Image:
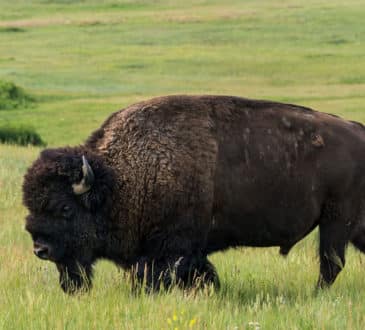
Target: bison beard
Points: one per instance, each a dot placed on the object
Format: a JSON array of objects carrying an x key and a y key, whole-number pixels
[
  {"x": 164, "y": 183},
  {"x": 74, "y": 277}
]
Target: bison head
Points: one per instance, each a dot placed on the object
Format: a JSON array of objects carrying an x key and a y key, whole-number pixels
[{"x": 68, "y": 193}]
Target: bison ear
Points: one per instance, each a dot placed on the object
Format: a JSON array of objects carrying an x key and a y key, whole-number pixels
[{"x": 87, "y": 179}]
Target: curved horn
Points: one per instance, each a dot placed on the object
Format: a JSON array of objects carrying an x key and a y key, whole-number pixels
[{"x": 87, "y": 180}]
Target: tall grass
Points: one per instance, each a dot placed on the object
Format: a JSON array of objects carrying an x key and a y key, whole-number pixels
[{"x": 84, "y": 59}]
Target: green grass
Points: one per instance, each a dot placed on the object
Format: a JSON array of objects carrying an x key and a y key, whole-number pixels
[{"x": 83, "y": 60}]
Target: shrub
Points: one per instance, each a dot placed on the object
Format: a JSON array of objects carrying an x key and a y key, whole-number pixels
[
  {"x": 20, "y": 135},
  {"x": 11, "y": 29},
  {"x": 12, "y": 96}
]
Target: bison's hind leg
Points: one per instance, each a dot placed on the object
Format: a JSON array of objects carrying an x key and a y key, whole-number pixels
[
  {"x": 334, "y": 232},
  {"x": 358, "y": 237}
]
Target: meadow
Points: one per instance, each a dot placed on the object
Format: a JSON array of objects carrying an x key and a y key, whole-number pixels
[{"x": 82, "y": 60}]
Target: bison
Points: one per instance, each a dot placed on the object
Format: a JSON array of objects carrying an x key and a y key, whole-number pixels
[{"x": 165, "y": 182}]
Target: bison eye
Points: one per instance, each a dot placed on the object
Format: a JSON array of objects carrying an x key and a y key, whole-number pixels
[{"x": 66, "y": 211}]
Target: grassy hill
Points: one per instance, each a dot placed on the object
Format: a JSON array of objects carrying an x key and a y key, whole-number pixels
[{"x": 83, "y": 60}]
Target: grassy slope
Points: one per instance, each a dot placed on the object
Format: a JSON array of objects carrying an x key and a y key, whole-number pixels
[{"x": 86, "y": 59}]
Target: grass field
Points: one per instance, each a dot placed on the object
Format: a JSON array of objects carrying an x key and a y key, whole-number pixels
[{"x": 82, "y": 60}]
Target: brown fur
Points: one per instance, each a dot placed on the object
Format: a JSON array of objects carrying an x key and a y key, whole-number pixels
[{"x": 179, "y": 177}]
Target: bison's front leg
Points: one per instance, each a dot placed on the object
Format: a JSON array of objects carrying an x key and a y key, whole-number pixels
[
  {"x": 74, "y": 277},
  {"x": 151, "y": 274},
  {"x": 184, "y": 271},
  {"x": 196, "y": 271}
]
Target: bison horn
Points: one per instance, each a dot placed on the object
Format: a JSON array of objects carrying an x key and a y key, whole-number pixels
[{"x": 87, "y": 180}]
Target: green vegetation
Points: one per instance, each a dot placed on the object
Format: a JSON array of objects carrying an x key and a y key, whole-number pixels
[
  {"x": 83, "y": 60},
  {"x": 12, "y": 96},
  {"x": 20, "y": 135}
]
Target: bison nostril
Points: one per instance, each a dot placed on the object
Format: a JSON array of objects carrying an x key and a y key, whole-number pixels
[{"x": 41, "y": 251}]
